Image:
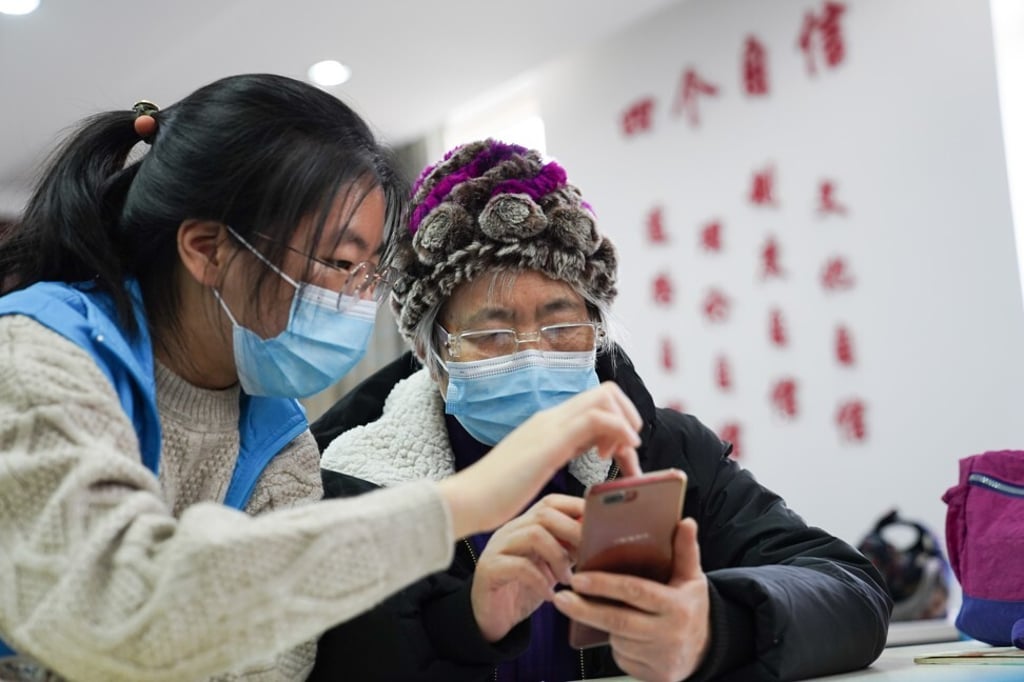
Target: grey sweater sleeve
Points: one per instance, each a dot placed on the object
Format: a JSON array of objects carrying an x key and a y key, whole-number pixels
[{"x": 99, "y": 581}]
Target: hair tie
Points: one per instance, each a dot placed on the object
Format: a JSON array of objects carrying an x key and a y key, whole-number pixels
[{"x": 145, "y": 124}]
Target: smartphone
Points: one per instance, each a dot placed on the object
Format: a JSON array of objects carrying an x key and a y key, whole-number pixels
[{"x": 629, "y": 526}]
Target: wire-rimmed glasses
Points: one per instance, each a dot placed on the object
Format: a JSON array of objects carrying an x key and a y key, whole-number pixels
[
  {"x": 360, "y": 281},
  {"x": 493, "y": 343}
]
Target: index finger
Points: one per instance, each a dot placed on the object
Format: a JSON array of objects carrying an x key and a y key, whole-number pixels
[
  {"x": 626, "y": 457},
  {"x": 625, "y": 405},
  {"x": 629, "y": 462},
  {"x": 570, "y": 505},
  {"x": 615, "y": 401},
  {"x": 639, "y": 593}
]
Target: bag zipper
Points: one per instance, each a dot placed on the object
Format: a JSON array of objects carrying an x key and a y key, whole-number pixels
[{"x": 993, "y": 483}]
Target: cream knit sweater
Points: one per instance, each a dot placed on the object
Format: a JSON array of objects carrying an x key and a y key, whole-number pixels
[{"x": 109, "y": 573}]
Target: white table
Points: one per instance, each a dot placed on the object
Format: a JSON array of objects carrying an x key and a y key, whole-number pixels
[{"x": 896, "y": 664}]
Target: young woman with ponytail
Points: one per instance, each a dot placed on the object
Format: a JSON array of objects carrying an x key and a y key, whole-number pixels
[{"x": 159, "y": 315}]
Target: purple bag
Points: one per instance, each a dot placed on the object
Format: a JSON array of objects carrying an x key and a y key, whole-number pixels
[{"x": 985, "y": 539}]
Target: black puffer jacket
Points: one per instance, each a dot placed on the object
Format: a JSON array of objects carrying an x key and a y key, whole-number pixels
[{"x": 788, "y": 601}]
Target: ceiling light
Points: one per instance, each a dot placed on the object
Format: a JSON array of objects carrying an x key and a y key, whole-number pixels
[
  {"x": 18, "y": 6},
  {"x": 329, "y": 73}
]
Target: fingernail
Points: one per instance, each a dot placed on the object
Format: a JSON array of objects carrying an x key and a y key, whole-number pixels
[
  {"x": 580, "y": 582},
  {"x": 563, "y": 598}
]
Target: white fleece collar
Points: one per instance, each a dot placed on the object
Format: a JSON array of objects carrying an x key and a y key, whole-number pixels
[{"x": 410, "y": 441}]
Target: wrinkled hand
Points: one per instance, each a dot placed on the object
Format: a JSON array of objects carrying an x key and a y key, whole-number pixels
[
  {"x": 663, "y": 632},
  {"x": 522, "y": 563},
  {"x": 483, "y": 496}
]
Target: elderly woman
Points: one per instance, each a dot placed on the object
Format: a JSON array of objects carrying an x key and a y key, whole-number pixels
[{"x": 503, "y": 290}]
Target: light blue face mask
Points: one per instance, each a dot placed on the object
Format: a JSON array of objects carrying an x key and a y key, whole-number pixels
[
  {"x": 317, "y": 347},
  {"x": 490, "y": 398}
]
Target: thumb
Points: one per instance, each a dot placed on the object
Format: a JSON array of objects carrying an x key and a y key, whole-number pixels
[{"x": 685, "y": 553}]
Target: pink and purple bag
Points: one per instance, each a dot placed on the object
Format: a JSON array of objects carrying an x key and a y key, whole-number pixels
[{"x": 985, "y": 539}]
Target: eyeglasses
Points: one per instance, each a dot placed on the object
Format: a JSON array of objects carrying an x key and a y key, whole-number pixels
[
  {"x": 354, "y": 281},
  {"x": 360, "y": 280},
  {"x": 492, "y": 343}
]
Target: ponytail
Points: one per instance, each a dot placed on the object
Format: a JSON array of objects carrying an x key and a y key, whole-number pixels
[
  {"x": 259, "y": 152},
  {"x": 69, "y": 230}
]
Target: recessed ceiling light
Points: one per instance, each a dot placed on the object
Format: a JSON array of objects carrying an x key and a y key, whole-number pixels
[
  {"x": 329, "y": 73},
  {"x": 18, "y": 6}
]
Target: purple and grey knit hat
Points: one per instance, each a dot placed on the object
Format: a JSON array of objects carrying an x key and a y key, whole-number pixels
[{"x": 489, "y": 205}]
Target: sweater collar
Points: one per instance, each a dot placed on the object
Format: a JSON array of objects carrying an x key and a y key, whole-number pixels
[{"x": 211, "y": 410}]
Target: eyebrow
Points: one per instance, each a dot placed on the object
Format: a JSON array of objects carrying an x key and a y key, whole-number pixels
[
  {"x": 353, "y": 238},
  {"x": 350, "y": 237},
  {"x": 490, "y": 314},
  {"x": 501, "y": 314},
  {"x": 559, "y": 305}
]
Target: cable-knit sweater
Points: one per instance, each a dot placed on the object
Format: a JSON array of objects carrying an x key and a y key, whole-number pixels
[{"x": 110, "y": 573}]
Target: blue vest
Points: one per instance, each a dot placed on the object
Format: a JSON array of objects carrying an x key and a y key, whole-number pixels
[{"x": 87, "y": 318}]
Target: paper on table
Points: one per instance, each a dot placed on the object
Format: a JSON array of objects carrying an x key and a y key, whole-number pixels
[{"x": 1004, "y": 655}]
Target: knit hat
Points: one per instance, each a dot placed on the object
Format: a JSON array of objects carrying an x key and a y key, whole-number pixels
[{"x": 489, "y": 205}]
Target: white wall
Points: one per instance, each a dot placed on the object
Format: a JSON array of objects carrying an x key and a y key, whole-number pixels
[
  {"x": 1008, "y": 30},
  {"x": 908, "y": 127},
  {"x": 12, "y": 199}
]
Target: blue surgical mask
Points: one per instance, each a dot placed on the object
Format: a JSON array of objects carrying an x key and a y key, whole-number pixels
[
  {"x": 490, "y": 398},
  {"x": 318, "y": 346}
]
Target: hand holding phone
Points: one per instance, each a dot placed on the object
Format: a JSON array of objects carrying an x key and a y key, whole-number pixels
[{"x": 628, "y": 527}]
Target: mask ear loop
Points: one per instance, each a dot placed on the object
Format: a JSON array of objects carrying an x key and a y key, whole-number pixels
[
  {"x": 224, "y": 306},
  {"x": 443, "y": 363},
  {"x": 444, "y": 367}
]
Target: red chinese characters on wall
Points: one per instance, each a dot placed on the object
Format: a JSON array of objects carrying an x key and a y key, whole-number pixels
[
  {"x": 823, "y": 46},
  {"x": 691, "y": 88},
  {"x": 732, "y": 432},
  {"x": 668, "y": 355},
  {"x": 827, "y": 202},
  {"x": 639, "y": 117},
  {"x": 662, "y": 290},
  {"x": 656, "y": 226},
  {"x": 836, "y": 275},
  {"x": 755, "y": 67},
  {"x": 770, "y": 265},
  {"x": 723, "y": 373},
  {"x": 711, "y": 237},
  {"x": 777, "y": 333},
  {"x": 844, "y": 347},
  {"x": 762, "y": 188},
  {"x": 784, "y": 399},
  {"x": 851, "y": 420},
  {"x": 821, "y": 35},
  {"x": 716, "y": 306}
]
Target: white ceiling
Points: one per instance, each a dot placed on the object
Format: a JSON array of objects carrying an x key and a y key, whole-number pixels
[{"x": 413, "y": 61}]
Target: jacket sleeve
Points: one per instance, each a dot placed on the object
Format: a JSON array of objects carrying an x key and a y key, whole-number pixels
[
  {"x": 788, "y": 601},
  {"x": 425, "y": 632}
]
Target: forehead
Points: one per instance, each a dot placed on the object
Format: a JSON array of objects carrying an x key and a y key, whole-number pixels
[
  {"x": 519, "y": 293},
  {"x": 356, "y": 219}
]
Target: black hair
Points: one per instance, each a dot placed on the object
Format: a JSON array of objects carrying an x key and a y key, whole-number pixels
[{"x": 257, "y": 152}]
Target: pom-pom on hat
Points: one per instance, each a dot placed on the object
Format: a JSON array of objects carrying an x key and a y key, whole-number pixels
[{"x": 495, "y": 206}]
